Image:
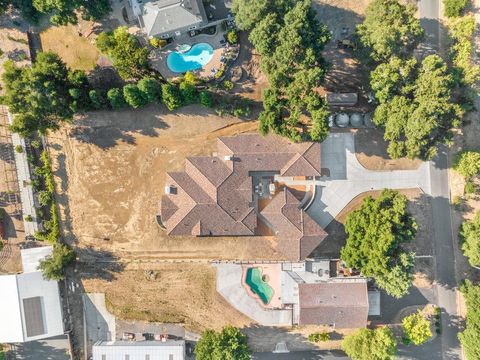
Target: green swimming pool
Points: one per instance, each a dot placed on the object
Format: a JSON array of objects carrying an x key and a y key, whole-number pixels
[{"x": 258, "y": 286}]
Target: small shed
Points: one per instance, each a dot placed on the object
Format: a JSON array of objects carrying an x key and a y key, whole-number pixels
[{"x": 342, "y": 99}]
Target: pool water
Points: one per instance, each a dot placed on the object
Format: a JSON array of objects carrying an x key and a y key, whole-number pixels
[
  {"x": 198, "y": 56},
  {"x": 258, "y": 286}
]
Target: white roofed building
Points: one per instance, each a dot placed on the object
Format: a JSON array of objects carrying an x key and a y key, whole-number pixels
[
  {"x": 139, "y": 350},
  {"x": 30, "y": 306}
]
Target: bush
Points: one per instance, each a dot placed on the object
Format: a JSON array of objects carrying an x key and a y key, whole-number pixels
[
  {"x": 44, "y": 197},
  {"x": 19, "y": 149},
  {"x": 318, "y": 337},
  {"x": 116, "y": 99},
  {"x": 228, "y": 85},
  {"x": 97, "y": 99},
  {"x": 151, "y": 89},
  {"x": 171, "y": 96},
  {"x": 188, "y": 92},
  {"x": 219, "y": 73},
  {"x": 134, "y": 97},
  {"x": 416, "y": 329},
  {"x": 53, "y": 265},
  {"x": 454, "y": 8},
  {"x": 467, "y": 163},
  {"x": 157, "y": 43},
  {"x": 36, "y": 144},
  {"x": 28, "y": 218},
  {"x": 470, "y": 187},
  {"x": 470, "y": 239},
  {"x": 206, "y": 99},
  {"x": 232, "y": 36}
]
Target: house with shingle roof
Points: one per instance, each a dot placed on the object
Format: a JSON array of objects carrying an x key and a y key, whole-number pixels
[{"x": 220, "y": 195}]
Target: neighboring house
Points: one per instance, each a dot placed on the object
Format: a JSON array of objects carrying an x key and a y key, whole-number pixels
[
  {"x": 169, "y": 18},
  {"x": 139, "y": 350},
  {"x": 320, "y": 296},
  {"x": 30, "y": 305},
  {"x": 244, "y": 189}
]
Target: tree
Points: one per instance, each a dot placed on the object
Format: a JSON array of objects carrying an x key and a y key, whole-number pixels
[
  {"x": 232, "y": 36},
  {"x": 389, "y": 29},
  {"x": 188, "y": 92},
  {"x": 97, "y": 99},
  {"x": 467, "y": 163},
  {"x": 228, "y": 344},
  {"x": 454, "y": 8},
  {"x": 63, "y": 12},
  {"x": 39, "y": 97},
  {"x": 416, "y": 328},
  {"x": 470, "y": 239},
  {"x": 206, "y": 98},
  {"x": 375, "y": 233},
  {"x": 151, "y": 88},
  {"x": 53, "y": 265},
  {"x": 366, "y": 344},
  {"x": 116, "y": 99},
  {"x": 171, "y": 96},
  {"x": 134, "y": 96},
  {"x": 420, "y": 114},
  {"x": 469, "y": 337},
  {"x": 128, "y": 56}
]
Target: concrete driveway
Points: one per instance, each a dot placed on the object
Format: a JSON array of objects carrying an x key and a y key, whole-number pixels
[{"x": 347, "y": 178}]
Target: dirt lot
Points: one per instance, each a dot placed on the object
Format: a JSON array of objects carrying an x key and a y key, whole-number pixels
[
  {"x": 173, "y": 293},
  {"x": 372, "y": 152},
  {"x": 78, "y": 52},
  {"x": 419, "y": 206},
  {"x": 111, "y": 168}
]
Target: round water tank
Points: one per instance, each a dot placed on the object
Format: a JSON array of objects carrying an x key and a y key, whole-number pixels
[
  {"x": 367, "y": 120},
  {"x": 356, "y": 120},
  {"x": 342, "y": 120}
]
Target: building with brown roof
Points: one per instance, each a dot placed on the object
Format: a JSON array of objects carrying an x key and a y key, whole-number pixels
[{"x": 219, "y": 195}]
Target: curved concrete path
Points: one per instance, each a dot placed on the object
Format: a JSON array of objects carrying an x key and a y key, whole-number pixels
[
  {"x": 348, "y": 178},
  {"x": 229, "y": 285}
]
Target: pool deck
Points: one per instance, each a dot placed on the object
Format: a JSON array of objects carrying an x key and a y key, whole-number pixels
[
  {"x": 158, "y": 57},
  {"x": 273, "y": 272},
  {"x": 229, "y": 285}
]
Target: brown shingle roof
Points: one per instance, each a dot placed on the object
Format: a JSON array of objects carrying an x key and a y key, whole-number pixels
[
  {"x": 214, "y": 194},
  {"x": 340, "y": 304}
]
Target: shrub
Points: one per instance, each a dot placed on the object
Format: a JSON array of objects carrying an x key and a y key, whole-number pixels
[
  {"x": 151, "y": 89},
  {"x": 188, "y": 92},
  {"x": 470, "y": 239},
  {"x": 219, "y": 73},
  {"x": 116, "y": 99},
  {"x": 157, "y": 43},
  {"x": 53, "y": 265},
  {"x": 228, "y": 85},
  {"x": 171, "y": 96},
  {"x": 28, "y": 218},
  {"x": 416, "y": 328},
  {"x": 454, "y": 8},
  {"x": 470, "y": 187},
  {"x": 467, "y": 163},
  {"x": 97, "y": 99},
  {"x": 44, "y": 197},
  {"x": 318, "y": 337},
  {"x": 19, "y": 149},
  {"x": 190, "y": 78},
  {"x": 134, "y": 97},
  {"x": 36, "y": 144},
  {"x": 232, "y": 36},
  {"x": 206, "y": 98}
]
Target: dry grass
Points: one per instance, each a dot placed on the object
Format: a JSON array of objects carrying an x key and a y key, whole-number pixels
[
  {"x": 179, "y": 293},
  {"x": 76, "y": 51}
]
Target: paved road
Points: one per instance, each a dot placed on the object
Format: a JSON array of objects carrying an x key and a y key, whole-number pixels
[
  {"x": 442, "y": 224},
  {"x": 302, "y": 355}
]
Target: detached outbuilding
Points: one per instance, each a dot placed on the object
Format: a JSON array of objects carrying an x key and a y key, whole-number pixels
[
  {"x": 29, "y": 304},
  {"x": 342, "y": 99}
]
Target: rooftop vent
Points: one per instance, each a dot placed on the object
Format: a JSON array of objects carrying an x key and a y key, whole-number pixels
[
  {"x": 228, "y": 158},
  {"x": 170, "y": 189}
]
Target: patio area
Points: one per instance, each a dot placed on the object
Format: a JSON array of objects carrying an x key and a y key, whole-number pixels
[{"x": 158, "y": 57}]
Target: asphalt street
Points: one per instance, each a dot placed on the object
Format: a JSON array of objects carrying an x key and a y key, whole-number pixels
[{"x": 302, "y": 355}]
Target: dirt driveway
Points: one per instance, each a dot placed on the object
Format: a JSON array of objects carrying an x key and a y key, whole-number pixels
[{"x": 110, "y": 168}]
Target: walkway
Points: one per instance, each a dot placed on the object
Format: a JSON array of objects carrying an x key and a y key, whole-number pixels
[
  {"x": 348, "y": 178},
  {"x": 229, "y": 285},
  {"x": 24, "y": 184}
]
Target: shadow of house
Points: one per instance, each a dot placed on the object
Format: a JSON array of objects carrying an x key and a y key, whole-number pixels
[{"x": 55, "y": 348}]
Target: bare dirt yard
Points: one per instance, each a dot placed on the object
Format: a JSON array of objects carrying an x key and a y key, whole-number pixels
[
  {"x": 111, "y": 166},
  {"x": 172, "y": 293},
  {"x": 77, "y": 51},
  {"x": 371, "y": 152}
]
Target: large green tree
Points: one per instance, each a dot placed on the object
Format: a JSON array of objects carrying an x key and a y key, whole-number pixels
[
  {"x": 128, "y": 56},
  {"x": 53, "y": 266},
  {"x": 416, "y": 328},
  {"x": 375, "y": 234},
  {"x": 290, "y": 40},
  {"x": 40, "y": 97},
  {"x": 390, "y": 29},
  {"x": 417, "y": 109},
  {"x": 366, "y": 344},
  {"x": 470, "y": 238},
  {"x": 469, "y": 337},
  {"x": 228, "y": 344},
  {"x": 467, "y": 163}
]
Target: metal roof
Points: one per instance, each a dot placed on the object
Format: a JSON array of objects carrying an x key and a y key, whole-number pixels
[{"x": 139, "y": 350}]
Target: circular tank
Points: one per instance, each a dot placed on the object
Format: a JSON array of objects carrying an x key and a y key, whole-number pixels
[{"x": 342, "y": 120}]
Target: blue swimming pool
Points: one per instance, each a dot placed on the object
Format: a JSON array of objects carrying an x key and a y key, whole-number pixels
[{"x": 199, "y": 55}]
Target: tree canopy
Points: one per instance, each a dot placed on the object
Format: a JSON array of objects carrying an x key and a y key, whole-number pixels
[
  {"x": 454, "y": 8},
  {"x": 389, "y": 29},
  {"x": 470, "y": 239},
  {"x": 416, "y": 328},
  {"x": 469, "y": 337},
  {"x": 228, "y": 344},
  {"x": 467, "y": 163},
  {"x": 128, "y": 56},
  {"x": 375, "y": 233},
  {"x": 417, "y": 109},
  {"x": 40, "y": 96},
  {"x": 290, "y": 40},
  {"x": 52, "y": 266},
  {"x": 366, "y": 344}
]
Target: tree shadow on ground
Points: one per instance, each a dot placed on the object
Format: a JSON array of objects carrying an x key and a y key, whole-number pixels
[
  {"x": 97, "y": 264},
  {"x": 50, "y": 349}
]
